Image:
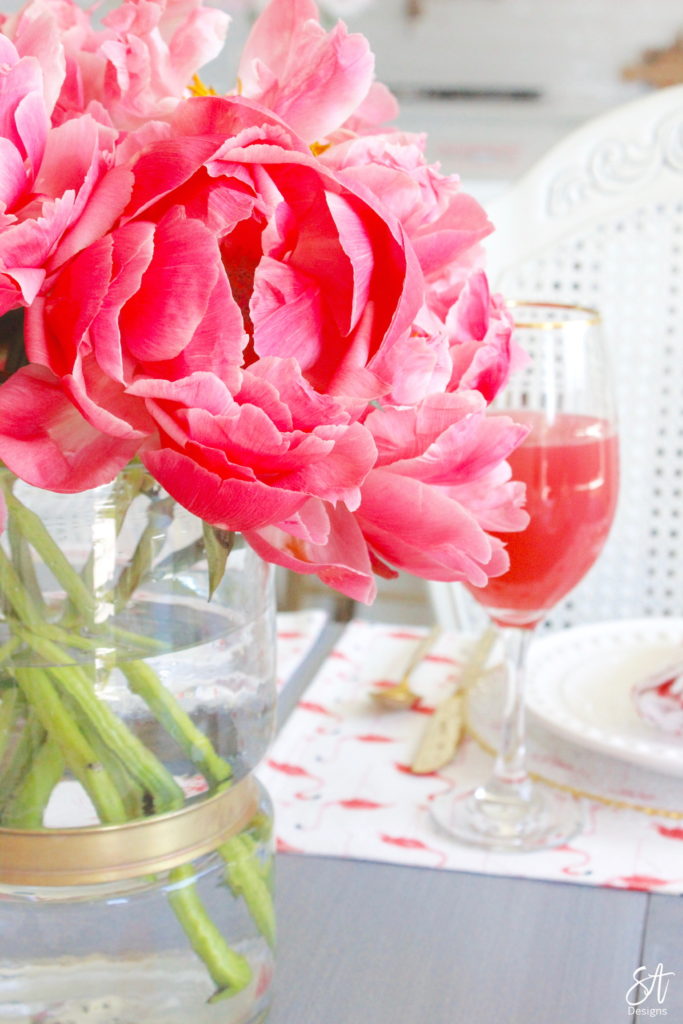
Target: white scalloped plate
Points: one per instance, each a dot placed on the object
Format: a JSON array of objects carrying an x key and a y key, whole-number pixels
[{"x": 579, "y": 687}]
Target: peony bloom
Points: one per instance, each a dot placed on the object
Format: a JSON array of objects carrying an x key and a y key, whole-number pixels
[
  {"x": 278, "y": 308},
  {"x": 313, "y": 79},
  {"x": 283, "y": 66},
  {"x": 135, "y": 68},
  {"x": 479, "y": 328},
  {"x": 154, "y": 49},
  {"x": 227, "y": 329},
  {"x": 50, "y": 177},
  {"x": 411, "y": 516}
]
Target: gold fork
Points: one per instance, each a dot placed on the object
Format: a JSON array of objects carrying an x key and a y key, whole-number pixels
[{"x": 401, "y": 694}]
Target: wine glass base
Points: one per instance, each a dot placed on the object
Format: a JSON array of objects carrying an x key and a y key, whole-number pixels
[{"x": 544, "y": 820}]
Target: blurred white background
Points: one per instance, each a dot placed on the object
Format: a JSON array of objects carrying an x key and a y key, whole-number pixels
[{"x": 495, "y": 82}]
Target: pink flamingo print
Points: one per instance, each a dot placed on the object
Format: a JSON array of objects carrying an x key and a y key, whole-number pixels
[{"x": 408, "y": 843}]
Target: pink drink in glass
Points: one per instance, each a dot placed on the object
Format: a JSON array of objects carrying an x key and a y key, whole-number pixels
[{"x": 571, "y": 469}]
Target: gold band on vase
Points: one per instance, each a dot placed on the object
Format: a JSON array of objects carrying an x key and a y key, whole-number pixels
[{"x": 109, "y": 853}]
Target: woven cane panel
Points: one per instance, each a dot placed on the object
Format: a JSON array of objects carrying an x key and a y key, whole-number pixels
[{"x": 630, "y": 268}]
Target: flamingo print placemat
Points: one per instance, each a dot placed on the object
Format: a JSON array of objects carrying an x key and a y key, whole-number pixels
[
  {"x": 297, "y": 633},
  {"x": 339, "y": 773}
]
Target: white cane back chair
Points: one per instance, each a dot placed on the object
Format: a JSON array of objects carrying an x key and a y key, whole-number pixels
[{"x": 599, "y": 222}]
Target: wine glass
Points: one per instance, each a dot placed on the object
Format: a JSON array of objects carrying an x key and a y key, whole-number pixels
[{"x": 570, "y": 465}]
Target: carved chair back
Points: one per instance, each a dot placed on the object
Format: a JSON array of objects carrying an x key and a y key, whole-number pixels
[{"x": 599, "y": 222}]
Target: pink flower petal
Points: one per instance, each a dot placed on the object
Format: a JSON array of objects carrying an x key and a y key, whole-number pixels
[
  {"x": 420, "y": 530},
  {"x": 174, "y": 292},
  {"x": 12, "y": 174},
  {"x": 45, "y": 440},
  {"x": 342, "y": 563},
  {"x": 314, "y": 80},
  {"x": 231, "y": 504}
]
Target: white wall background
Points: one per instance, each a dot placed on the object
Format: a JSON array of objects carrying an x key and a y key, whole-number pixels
[{"x": 564, "y": 48}]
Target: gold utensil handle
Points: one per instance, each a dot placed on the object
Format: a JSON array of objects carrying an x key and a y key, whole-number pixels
[
  {"x": 443, "y": 730},
  {"x": 440, "y": 737},
  {"x": 423, "y": 648}
]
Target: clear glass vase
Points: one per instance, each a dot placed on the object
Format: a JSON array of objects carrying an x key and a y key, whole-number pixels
[
  {"x": 117, "y": 952},
  {"x": 137, "y": 665}
]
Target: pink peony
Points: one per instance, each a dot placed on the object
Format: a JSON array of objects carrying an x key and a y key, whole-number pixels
[
  {"x": 38, "y": 31},
  {"x": 50, "y": 176},
  {"x": 227, "y": 328},
  {"x": 481, "y": 347},
  {"x": 291, "y": 68},
  {"x": 464, "y": 332},
  {"x": 274, "y": 304},
  {"x": 411, "y": 515},
  {"x": 156, "y": 47},
  {"x": 312, "y": 79},
  {"x": 135, "y": 68}
]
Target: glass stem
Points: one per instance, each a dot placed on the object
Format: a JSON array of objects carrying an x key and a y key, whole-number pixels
[{"x": 510, "y": 780}]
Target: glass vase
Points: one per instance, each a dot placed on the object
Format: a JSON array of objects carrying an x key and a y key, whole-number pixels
[{"x": 137, "y": 665}]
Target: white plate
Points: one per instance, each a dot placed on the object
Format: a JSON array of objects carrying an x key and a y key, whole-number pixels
[{"x": 579, "y": 686}]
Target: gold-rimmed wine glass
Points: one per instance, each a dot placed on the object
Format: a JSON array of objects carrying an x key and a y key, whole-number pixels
[{"x": 570, "y": 465}]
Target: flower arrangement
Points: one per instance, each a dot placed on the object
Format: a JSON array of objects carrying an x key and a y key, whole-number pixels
[
  {"x": 270, "y": 299},
  {"x": 267, "y": 304}
]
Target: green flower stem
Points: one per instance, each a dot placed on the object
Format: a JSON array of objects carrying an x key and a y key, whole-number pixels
[
  {"x": 139, "y": 565},
  {"x": 8, "y": 717},
  {"x": 240, "y": 873},
  {"x": 68, "y": 638},
  {"x": 126, "y": 489},
  {"x": 23, "y": 562},
  {"x": 251, "y": 840},
  {"x": 78, "y": 755},
  {"x": 149, "y": 644},
  {"x": 244, "y": 881},
  {"x": 31, "y": 614},
  {"x": 144, "y": 681},
  {"x": 29, "y": 734},
  {"x": 12, "y": 711},
  {"x": 24, "y": 521},
  {"x": 137, "y": 800},
  {"x": 13, "y": 589},
  {"x": 38, "y": 537},
  {"x": 174, "y": 563},
  {"x": 164, "y": 792},
  {"x": 9, "y": 649},
  {"x": 27, "y": 805},
  {"x": 229, "y": 971},
  {"x": 73, "y": 729}
]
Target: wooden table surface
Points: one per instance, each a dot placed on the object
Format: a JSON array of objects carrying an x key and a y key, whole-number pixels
[{"x": 373, "y": 943}]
